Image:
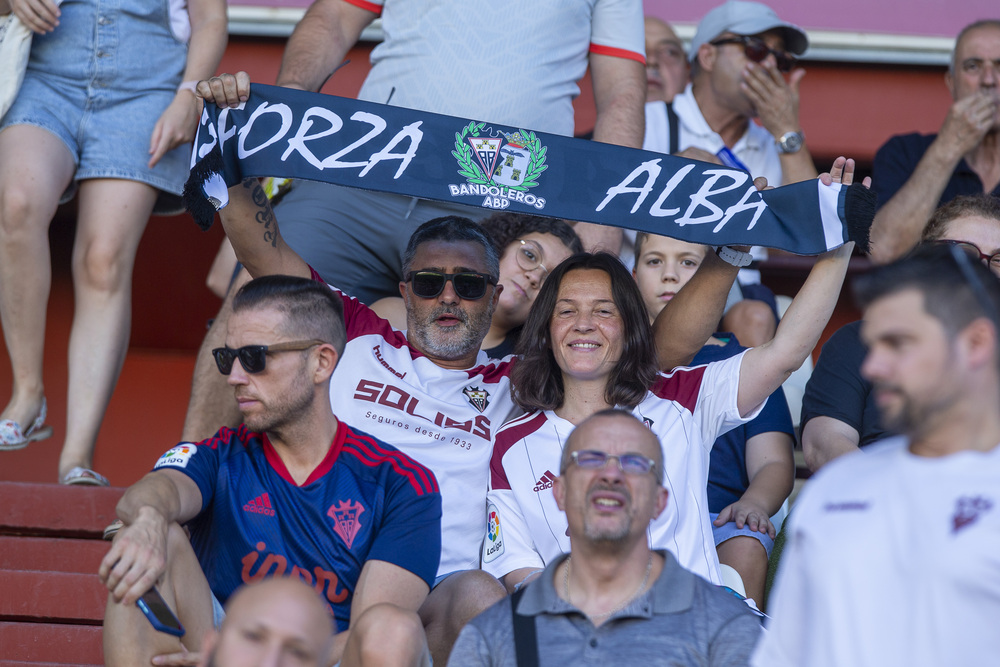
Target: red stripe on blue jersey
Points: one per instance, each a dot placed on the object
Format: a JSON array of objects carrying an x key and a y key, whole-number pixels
[
  {"x": 682, "y": 385},
  {"x": 512, "y": 433},
  {"x": 371, "y": 452}
]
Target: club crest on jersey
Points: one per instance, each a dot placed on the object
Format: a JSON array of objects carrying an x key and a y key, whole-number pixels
[
  {"x": 648, "y": 422},
  {"x": 499, "y": 166},
  {"x": 493, "y": 547},
  {"x": 479, "y": 398},
  {"x": 178, "y": 456},
  {"x": 346, "y": 520},
  {"x": 968, "y": 510}
]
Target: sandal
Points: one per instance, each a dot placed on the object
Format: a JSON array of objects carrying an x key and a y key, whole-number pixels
[
  {"x": 79, "y": 476},
  {"x": 112, "y": 529},
  {"x": 12, "y": 437}
]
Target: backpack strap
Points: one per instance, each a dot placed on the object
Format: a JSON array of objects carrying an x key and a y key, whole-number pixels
[
  {"x": 525, "y": 638},
  {"x": 674, "y": 127}
]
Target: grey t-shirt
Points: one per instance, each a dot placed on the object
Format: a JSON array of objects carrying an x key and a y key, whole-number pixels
[{"x": 682, "y": 621}]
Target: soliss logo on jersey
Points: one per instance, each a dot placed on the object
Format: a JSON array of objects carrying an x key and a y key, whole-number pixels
[{"x": 479, "y": 398}]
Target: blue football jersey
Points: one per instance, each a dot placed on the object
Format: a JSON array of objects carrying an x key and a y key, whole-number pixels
[{"x": 366, "y": 500}]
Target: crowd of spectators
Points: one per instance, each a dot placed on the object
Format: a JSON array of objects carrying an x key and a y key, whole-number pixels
[{"x": 478, "y": 440}]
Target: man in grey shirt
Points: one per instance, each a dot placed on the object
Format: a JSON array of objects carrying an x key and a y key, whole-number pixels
[{"x": 611, "y": 599}]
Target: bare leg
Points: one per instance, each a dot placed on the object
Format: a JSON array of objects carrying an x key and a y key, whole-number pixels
[
  {"x": 453, "y": 603},
  {"x": 386, "y": 635},
  {"x": 112, "y": 217},
  {"x": 751, "y": 321},
  {"x": 212, "y": 403},
  {"x": 35, "y": 168},
  {"x": 129, "y": 639},
  {"x": 747, "y": 556}
]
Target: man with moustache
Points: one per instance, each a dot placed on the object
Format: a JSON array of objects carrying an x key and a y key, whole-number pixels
[
  {"x": 293, "y": 491},
  {"x": 892, "y": 555},
  {"x": 913, "y": 174},
  {"x": 612, "y": 600}
]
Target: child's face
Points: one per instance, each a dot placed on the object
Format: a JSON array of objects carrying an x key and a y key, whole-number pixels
[{"x": 664, "y": 267}]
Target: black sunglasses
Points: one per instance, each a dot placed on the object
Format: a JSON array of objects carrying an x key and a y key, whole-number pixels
[
  {"x": 253, "y": 358},
  {"x": 469, "y": 286},
  {"x": 757, "y": 49}
]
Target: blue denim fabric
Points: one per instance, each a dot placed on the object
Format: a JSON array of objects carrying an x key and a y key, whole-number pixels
[{"x": 99, "y": 82}]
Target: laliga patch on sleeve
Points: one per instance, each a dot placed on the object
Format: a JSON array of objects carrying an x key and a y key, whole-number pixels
[
  {"x": 493, "y": 547},
  {"x": 178, "y": 456}
]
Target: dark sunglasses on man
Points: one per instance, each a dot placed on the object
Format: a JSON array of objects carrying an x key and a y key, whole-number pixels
[
  {"x": 253, "y": 358},
  {"x": 757, "y": 50},
  {"x": 469, "y": 286}
]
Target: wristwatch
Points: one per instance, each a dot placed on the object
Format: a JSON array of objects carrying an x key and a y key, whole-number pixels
[
  {"x": 733, "y": 256},
  {"x": 790, "y": 142}
]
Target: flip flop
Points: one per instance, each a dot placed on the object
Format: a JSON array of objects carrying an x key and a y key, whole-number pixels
[
  {"x": 80, "y": 476},
  {"x": 13, "y": 438}
]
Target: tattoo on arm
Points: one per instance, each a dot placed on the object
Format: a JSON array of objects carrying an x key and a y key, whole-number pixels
[{"x": 264, "y": 216}]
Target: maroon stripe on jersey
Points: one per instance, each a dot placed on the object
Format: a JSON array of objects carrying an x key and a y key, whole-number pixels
[
  {"x": 492, "y": 372},
  {"x": 371, "y": 452},
  {"x": 506, "y": 438},
  {"x": 225, "y": 434},
  {"x": 681, "y": 386},
  {"x": 360, "y": 320}
]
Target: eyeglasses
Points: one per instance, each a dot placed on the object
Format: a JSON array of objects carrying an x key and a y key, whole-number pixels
[
  {"x": 992, "y": 261},
  {"x": 665, "y": 53},
  {"x": 757, "y": 49},
  {"x": 964, "y": 261},
  {"x": 529, "y": 257},
  {"x": 632, "y": 464},
  {"x": 254, "y": 357},
  {"x": 468, "y": 286}
]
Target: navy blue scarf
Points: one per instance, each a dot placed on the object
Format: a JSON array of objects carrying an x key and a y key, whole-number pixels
[{"x": 289, "y": 133}]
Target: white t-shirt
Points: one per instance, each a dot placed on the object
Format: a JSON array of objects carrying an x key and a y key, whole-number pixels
[
  {"x": 443, "y": 418},
  {"x": 514, "y": 62},
  {"x": 687, "y": 409},
  {"x": 891, "y": 559}
]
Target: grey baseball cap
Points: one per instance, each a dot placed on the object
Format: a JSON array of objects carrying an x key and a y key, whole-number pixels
[{"x": 746, "y": 18}]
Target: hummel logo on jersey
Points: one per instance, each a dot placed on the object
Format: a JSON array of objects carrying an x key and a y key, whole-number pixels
[
  {"x": 967, "y": 510},
  {"x": 544, "y": 482},
  {"x": 260, "y": 505}
]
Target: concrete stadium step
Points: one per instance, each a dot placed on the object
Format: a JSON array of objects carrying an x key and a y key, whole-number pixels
[{"x": 52, "y": 604}]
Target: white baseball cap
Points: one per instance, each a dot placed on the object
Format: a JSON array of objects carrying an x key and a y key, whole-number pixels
[{"x": 746, "y": 18}]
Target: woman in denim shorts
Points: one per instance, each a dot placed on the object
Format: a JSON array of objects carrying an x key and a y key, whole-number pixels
[{"x": 103, "y": 110}]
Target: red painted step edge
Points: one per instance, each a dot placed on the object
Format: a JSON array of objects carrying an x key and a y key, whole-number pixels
[
  {"x": 47, "y": 643},
  {"x": 53, "y": 509},
  {"x": 52, "y": 596},
  {"x": 51, "y": 554}
]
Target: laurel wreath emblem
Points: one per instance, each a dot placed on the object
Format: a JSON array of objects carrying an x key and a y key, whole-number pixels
[{"x": 472, "y": 172}]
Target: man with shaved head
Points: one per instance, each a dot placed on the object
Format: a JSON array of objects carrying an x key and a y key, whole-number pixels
[
  {"x": 277, "y": 621},
  {"x": 612, "y": 599}
]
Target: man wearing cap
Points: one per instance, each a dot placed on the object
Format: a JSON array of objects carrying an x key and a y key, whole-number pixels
[{"x": 739, "y": 56}]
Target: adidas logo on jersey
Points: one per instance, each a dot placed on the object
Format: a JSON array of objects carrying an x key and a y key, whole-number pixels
[
  {"x": 545, "y": 482},
  {"x": 260, "y": 505}
]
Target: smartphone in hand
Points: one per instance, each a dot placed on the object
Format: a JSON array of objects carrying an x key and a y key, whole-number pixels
[{"x": 159, "y": 614}]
